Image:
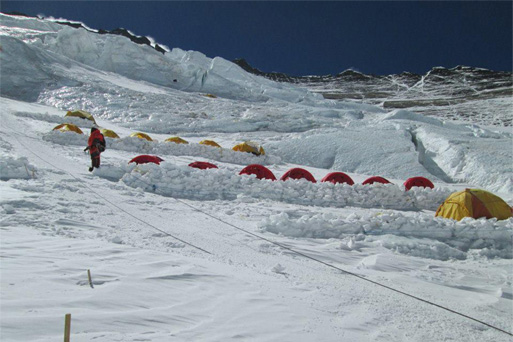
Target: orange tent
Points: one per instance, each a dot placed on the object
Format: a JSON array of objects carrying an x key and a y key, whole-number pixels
[
  {"x": 474, "y": 203},
  {"x": 210, "y": 143},
  {"x": 68, "y": 128}
]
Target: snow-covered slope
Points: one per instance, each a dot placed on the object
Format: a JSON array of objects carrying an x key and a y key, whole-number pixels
[{"x": 178, "y": 253}]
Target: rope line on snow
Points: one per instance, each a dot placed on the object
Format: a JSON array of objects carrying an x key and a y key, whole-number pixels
[
  {"x": 108, "y": 201},
  {"x": 333, "y": 266},
  {"x": 274, "y": 243}
]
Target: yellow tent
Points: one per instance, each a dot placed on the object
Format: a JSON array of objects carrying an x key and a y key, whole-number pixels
[
  {"x": 109, "y": 133},
  {"x": 68, "y": 128},
  {"x": 81, "y": 114},
  {"x": 474, "y": 203},
  {"x": 141, "y": 136},
  {"x": 212, "y": 96},
  {"x": 209, "y": 143},
  {"x": 249, "y": 147},
  {"x": 177, "y": 140}
]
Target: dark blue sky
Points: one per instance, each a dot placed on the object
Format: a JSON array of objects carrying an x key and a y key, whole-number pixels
[{"x": 311, "y": 38}]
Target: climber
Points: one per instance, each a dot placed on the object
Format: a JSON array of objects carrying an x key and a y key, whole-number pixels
[{"x": 96, "y": 145}]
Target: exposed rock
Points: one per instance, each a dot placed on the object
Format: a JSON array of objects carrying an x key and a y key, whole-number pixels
[{"x": 474, "y": 94}]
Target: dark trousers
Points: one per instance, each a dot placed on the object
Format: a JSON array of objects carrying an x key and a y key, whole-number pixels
[{"x": 95, "y": 159}]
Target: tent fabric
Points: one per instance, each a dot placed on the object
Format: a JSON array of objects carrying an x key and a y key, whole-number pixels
[
  {"x": 376, "y": 179},
  {"x": 298, "y": 173},
  {"x": 68, "y": 128},
  {"x": 141, "y": 136},
  {"x": 209, "y": 143},
  {"x": 418, "y": 181},
  {"x": 259, "y": 170},
  {"x": 474, "y": 203},
  {"x": 81, "y": 114},
  {"x": 249, "y": 147},
  {"x": 337, "y": 177},
  {"x": 109, "y": 133},
  {"x": 144, "y": 159},
  {"x": 203, "y": 165},
  {"x": 177, "y": 140}
]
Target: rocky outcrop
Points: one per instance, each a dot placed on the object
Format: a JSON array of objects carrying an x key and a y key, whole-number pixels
[{"x": 468, "y": 93}]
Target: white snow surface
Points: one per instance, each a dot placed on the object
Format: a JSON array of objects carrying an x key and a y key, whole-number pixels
[{"x": 182, "y": 254}]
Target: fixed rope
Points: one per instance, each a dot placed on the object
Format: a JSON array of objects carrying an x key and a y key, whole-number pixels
[
  {"x": 276, "y": 244},
  {"x": 108, "y": 201}
]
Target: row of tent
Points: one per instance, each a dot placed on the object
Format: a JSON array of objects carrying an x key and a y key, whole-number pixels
[
  {"x": 247, "y": 146},
  {"x": 475, "y": 203},
  {"x": 261, "y": 172}
]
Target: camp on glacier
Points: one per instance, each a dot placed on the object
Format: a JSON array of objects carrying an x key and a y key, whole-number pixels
[{"x": 176, "y": 252}]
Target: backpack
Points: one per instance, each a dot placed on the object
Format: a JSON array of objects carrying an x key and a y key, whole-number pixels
[{"x": 101, "y": 144}]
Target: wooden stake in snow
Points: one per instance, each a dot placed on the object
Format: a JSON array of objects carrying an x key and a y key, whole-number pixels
[
  {"x": 67, "y": 327},
  {"x": 90, "y": 280}
]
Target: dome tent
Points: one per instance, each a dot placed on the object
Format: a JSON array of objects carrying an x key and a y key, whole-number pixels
[
  {"x": 81, "y": 114},
  {"x": 141, "y": 136},
  {"x": 144, "y": 159},
  {"x": 177, "y": 140},
  {"x": 298, "y": 173},
  {"x": 203, "y": 165},
  {"x": 376, "y": 179},
  {"x": 474, "y": 203},
  {"x": 210, "y": 143},
  {"x": 249, "y": 147},
  {"x": 337, "y": 177},
  {"x": 259, "y": 170},
  {"x": 109, "y": 133},
  {"x": 418, "y": 181},
  {"x": 68, "y": 128}
]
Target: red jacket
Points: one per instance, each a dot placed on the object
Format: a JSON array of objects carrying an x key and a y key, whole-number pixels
[{"x": 95, "y": 138}]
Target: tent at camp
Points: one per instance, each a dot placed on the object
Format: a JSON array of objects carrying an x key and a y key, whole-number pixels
[
  {"x": 249, "y": 147},
  {"x": 376, "y": 179},
  {"x": 68, "y": 128},
  {"x": 81, "y": 114},
  {"x": 141, "y": 136},
  {"x": 474, "y": 203},
  {"x": 203, "y": 165},
  {"x": 337, "y": 177},
  {"x": 144, "y": 159},
  {"x": 177, "y": 140},
  {"x": 210, "y": 143},
  {"x": 418, "y": 181},
  {"x": 298, "y": 173},
  {"x": 109, "y": 133},
  {"x": 259, "y": 170}
]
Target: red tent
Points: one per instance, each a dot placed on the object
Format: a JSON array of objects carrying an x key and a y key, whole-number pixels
[
  {"x": 298, "y": 173},
  {"x": 144, "y": 158},
  {"x": 203, "y": 165},
  {"x": 337, "y": 177},
  {"x": 258, "y": 170},
  {"x": 418, "y": 181},
  {"x": 375, "y": 179}
]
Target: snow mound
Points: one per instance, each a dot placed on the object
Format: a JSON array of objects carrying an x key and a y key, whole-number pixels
[
  {"x": 356, "y": 149},
  {"x": 16, "y": 168},
  {"x": 417, "y": 235},
  {"x": 186, "y": 182}
]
